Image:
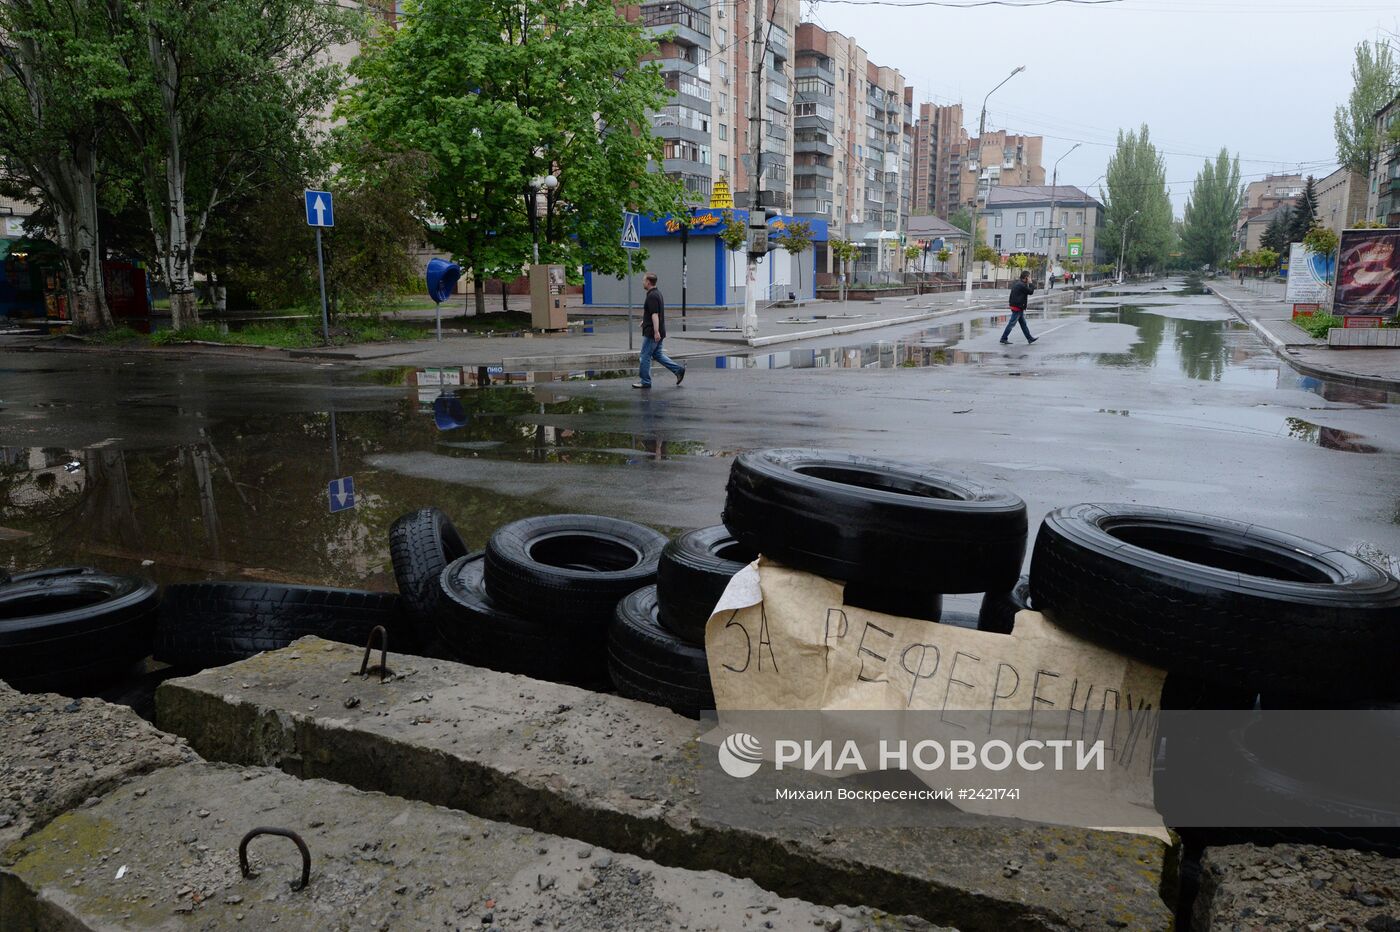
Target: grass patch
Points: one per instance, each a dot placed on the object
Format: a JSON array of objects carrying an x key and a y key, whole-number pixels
[
  {"x": 1318, "y": 325},
  {"x": 495, "y": 322},
  {"x": 113, "y": 336},
  {"x": 291, "y": 334}
]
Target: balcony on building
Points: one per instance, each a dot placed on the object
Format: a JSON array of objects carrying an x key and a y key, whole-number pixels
[
  {"x": 778, "y": 42},
  {"x": 697, "y": 187},
  {"x": 811, "y": 66},
  {"x": 818, "y": 142},
  {"x": 678, "y": 121},
  {"x": 690, "y": 91},
  {"x": 778, "y": 98},
  {"x": 685, "y": 24},
  {"x": 808, "y": 165}
]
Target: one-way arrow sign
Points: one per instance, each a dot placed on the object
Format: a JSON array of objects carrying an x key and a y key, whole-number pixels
[
  {"x": 341, "y": 493},
  {"x": 320, "y": 209}
]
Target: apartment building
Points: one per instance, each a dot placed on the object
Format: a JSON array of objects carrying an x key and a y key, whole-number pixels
[
  {"x": 1018, "y": 219},
  {"x": 939, "y": 144},
  {"x": 1383, "y": 187},
  {"x": 1000, "y": 159},
  {"x": 706, "y": 57},
  {"x": 854, "y": 146},
  {"x": 1261, "y": 197}
]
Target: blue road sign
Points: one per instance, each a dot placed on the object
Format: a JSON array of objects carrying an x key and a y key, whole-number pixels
[
  {"x": 341, "y": 493},
  {"x": 631, "y": 224},
  {"x": 320, "y": 209}
]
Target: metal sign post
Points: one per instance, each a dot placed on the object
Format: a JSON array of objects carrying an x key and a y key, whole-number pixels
[
  {"x": 320, "y": 212},
  {"x": 631, "y": 241}
]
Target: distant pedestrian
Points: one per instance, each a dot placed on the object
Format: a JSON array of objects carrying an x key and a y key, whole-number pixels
[
  {"x": 653, "y": 332},
  {"x": 1021, "y": 292}
]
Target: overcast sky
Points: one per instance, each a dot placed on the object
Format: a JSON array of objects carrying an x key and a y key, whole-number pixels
[{"x": 1259, "y": 76}]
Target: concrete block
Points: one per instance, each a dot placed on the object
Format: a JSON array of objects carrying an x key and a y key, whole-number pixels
[
  {"x": 162, "y": 853},
  {"x": 1244, "y": 887},
  {"x": 59, "y": 752},
  {"x": 622, "y": 774}
]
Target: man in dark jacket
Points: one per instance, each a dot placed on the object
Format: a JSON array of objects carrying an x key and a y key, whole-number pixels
[
  {"x": 1020, "y": 294},
  {"x": 653, "y": 332}
]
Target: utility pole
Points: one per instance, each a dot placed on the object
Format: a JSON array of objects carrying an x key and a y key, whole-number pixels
[
  {"x": 1053, "y": 243},
  {"x": 757, "y": 217},
  {"x": 977, "y": 188}
]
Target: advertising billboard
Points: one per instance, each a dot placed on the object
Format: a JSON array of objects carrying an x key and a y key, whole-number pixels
[
  {"x": 1368, "y": 274},
  {"x": 1308, "y": 276}
]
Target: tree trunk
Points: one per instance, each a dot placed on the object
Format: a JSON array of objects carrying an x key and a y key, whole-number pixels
[{"x": 479, "y": 293}]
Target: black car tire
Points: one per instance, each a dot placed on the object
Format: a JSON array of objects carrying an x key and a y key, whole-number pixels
[
  {"x": 210, "y": 624},
  {"x": 997, "y": 613},
  {"x": 73, "y": 629},
  {"x": 480, "y": 633},
  {"x": 694, "y": 570},
  {"x": 862, "y": 519},
  {"x": 421, "y": 544},
  {"x": 1228, "y": 602},
  {"x": 649, "y": 663},
  {"x": 569, "y": 569},
  {"x": 902, "y": 603}
]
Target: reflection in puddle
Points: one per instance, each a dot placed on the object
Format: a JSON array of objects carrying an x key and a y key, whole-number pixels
[
  {"x": 1253, "y": 421},
  {"x": 1209, "y": 349},
  {"x": 249, "y": 501},
  {"x": 1328, "y": 437}
]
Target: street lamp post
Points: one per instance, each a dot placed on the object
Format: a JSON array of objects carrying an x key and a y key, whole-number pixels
[
  {"x": 977, "y": 188},
  {"x": 532, "y": 195},
  {"x": 1053, "y": 242},
  {"x": 1123, "y": 244}
]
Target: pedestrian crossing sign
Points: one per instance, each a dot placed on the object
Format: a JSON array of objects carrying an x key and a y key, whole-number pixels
[{"x": 630, "y": 237}]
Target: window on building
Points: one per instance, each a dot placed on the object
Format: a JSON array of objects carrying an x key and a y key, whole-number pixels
[
  {"x": 814, "y": 86},
  {"x": 1020, "y": 218},
  {"x": 1040, "y": 218},
  {"x": 996, "y": 241},
  {"x": 1020, "y": 241},
  {"x": 996, "y": 218},
  {"x": 723, "y": 132},
  {"x": 724, "y": 163},
  {"x": 1080, "y": 218}
]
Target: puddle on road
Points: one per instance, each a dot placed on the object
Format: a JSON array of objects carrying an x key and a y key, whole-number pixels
[
  {"x": 1252, "y": 421},
  {"x": 249, "y": 500},
  {"x": 1209, "y": 349}
]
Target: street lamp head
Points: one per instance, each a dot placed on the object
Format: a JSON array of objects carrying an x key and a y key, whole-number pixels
[
  {"x": 551, "y": 182},
  {"x": 1019, "y": 69}
]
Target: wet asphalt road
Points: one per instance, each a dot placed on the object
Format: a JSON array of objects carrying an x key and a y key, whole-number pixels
[{"x": 190, "y": 468}]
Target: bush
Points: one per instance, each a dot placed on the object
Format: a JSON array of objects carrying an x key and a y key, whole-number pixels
[{"x": 1318, "y": 325}]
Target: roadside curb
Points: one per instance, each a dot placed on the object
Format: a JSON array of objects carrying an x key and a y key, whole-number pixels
[{"x": 1280, "y": 349}]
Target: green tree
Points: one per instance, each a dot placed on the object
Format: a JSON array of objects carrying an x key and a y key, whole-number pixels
[
  {"x": 797, "y": 239},
  {"x": 495, "y": 94},
  {"x": 222, "y": 92},
  {"x": 59, "y": 77},
  {"x": 845, "y": 252},
  {"x": 943, "y": 255},
  {"x": 1322, "y": 241},
  {"x": 1374, "y": 75},
  {"x": 1212, "y": 211},
  {"x": 1137, "y": 201},
  {"x": 1304, "y": 213},
  {"x": 1275, "y": 235},
  {"x": 1266, "y": 259},
  {"x": 962, "y": 219}
]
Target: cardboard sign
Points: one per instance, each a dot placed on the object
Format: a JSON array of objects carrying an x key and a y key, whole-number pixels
[{"x": 780, "y": 639}]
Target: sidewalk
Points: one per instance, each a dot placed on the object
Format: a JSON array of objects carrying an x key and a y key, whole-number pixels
[
  {"x": 1264, "y": 309},
  {"x": 600, "y": 341}
]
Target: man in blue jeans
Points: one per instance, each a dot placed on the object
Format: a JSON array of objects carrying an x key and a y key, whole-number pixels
[
  {"x": 653, "y": 332},
  {"x": 1020, "y": 294}
]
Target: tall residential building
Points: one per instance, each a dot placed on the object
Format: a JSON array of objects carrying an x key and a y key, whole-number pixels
[
  {"x": 1341, "y": 199},
  {"x": 854, "y": 145},
  {"x": 706, "y": 56},
  {"x": 939, "y": 144},
  {"x": 948, "y": 165}
]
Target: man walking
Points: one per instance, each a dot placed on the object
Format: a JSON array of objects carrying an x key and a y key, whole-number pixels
[
  {"x": 1021, "y": 292},
  {"x": 653, "y": 332}
]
